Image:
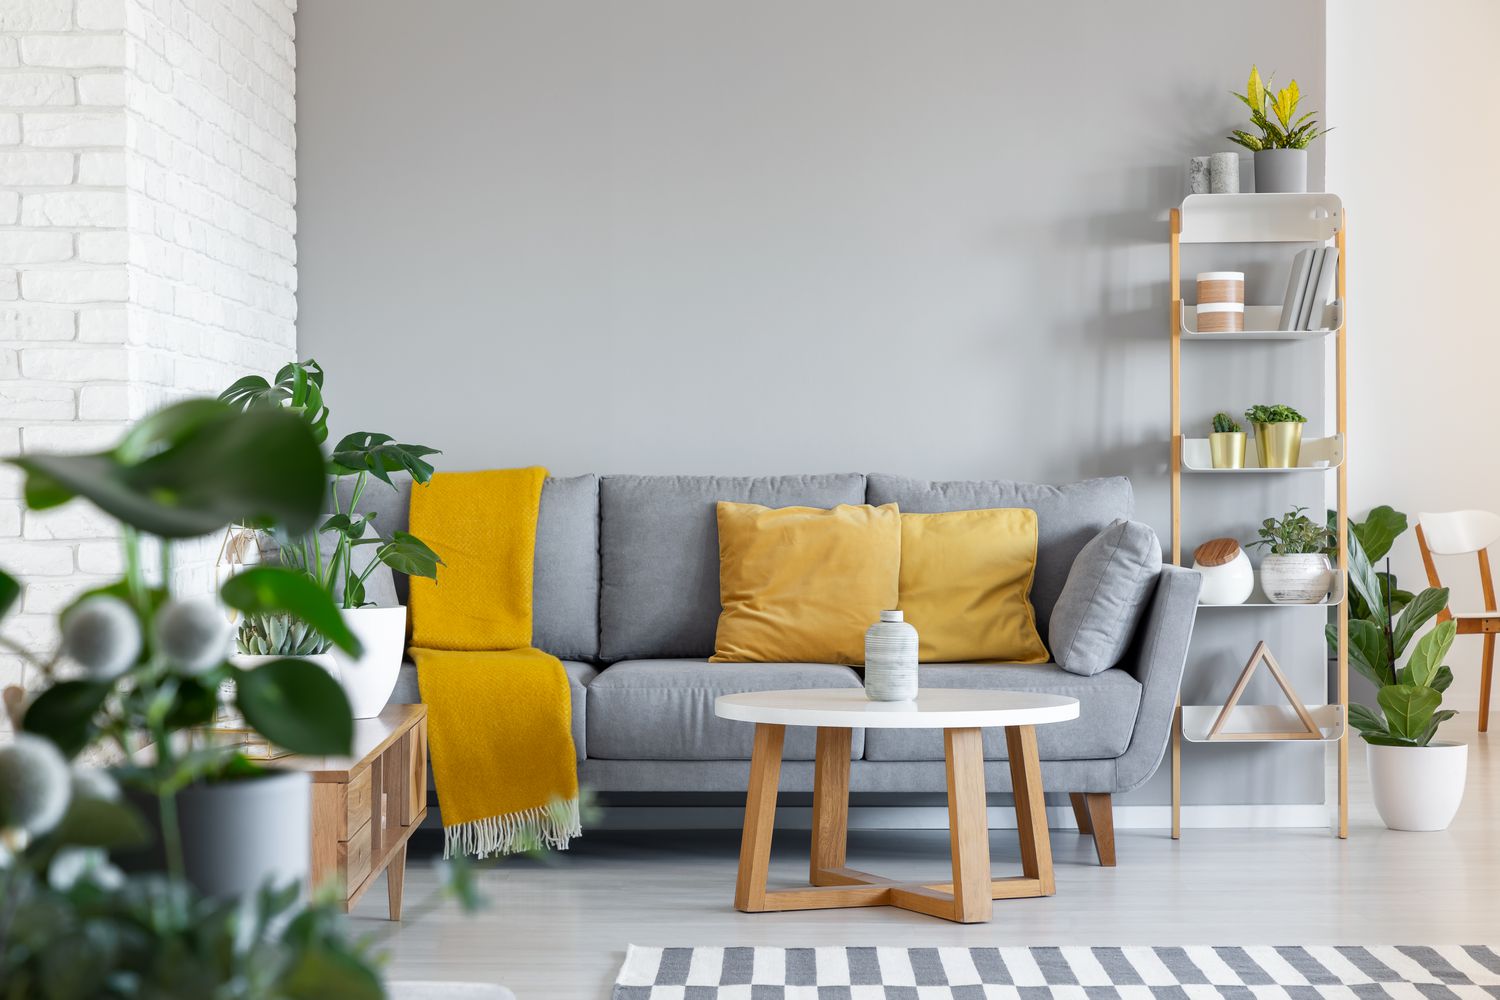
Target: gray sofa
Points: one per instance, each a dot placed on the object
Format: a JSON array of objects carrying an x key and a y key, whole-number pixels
[{"x": 627, "y": 596}]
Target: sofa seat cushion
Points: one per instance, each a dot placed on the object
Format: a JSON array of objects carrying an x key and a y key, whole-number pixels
[
  {"x": 579, "y": 675},
  {"x": 1107, "y": 705},
  {"x": 664, "y": 709}
]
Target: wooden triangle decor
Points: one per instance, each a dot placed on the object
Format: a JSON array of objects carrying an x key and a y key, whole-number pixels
[{"x": 1263, "y": 654}]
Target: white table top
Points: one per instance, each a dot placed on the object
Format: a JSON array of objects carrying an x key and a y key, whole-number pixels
[{"x": 934, "y": 708}]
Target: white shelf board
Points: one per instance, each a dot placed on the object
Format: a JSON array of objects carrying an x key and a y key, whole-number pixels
[
  {"x": 1261, "y": 323},
  {"x": 1258, "y": 598},
  {"x": 1318, "y": 455},
  {"x": 1313, "y": 217},
  {"x": 1253, "y": 723}
]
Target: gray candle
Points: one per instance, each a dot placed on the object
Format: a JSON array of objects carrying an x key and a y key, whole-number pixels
[
  {"x": 1198, "y": 171},
  {"x": 1224, "y": 173}
]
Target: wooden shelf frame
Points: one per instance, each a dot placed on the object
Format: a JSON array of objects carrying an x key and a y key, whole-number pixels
[{"x": 1268, "y": 218}]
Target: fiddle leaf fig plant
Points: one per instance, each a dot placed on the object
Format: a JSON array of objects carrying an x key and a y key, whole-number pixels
[
  {"x": 326, "y": 555},
  {"x": 1409, "y": 696}
]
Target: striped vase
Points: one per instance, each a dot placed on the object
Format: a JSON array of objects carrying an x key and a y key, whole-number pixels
[{"x": 891, "y": 659}]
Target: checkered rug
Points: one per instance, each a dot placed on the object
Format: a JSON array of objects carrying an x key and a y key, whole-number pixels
[{"x": 1447, "y": 972}]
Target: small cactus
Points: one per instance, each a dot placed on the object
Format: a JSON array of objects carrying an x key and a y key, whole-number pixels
[
  {"x": 1224, "y": 424},
  {"x": 279, "y": 635}
]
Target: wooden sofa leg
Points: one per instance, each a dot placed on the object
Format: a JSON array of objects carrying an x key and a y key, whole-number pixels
[{"x": 1095, "y": 812}]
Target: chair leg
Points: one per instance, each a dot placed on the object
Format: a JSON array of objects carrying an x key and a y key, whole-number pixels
[
  {"x": 1099, "y": 810},
  {"x": 1485, "y": 673}
]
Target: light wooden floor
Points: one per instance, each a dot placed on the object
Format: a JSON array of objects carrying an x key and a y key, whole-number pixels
[{"x": 558, "y": 930}]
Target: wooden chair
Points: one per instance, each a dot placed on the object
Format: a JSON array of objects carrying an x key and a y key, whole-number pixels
[{"x": 1461, "y": 532}]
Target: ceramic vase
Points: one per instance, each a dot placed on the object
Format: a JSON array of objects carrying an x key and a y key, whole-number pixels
[
  {"x": 1418, "y": 788},
  {"x": 1231, "y": 582},
  {"x": 1300, "y": 578},
  {"x": 891, "y": 659}
]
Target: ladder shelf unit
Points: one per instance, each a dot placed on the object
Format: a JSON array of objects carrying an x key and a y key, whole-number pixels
[{"x": 1266, "y": 218}]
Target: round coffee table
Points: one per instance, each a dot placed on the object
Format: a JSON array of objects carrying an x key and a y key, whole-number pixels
[{"x": 961, "y": 715}]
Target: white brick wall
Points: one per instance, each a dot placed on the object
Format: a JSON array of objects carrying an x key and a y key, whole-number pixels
[{"x": 147, "y": 218}]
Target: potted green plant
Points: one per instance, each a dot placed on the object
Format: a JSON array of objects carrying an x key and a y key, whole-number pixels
[
  {"x": 74, "y": 927},
  {"x": 338, "y": 556},
  {"x": 1416, "y": 780},
  {"x": 1296, "y": 570},
  {"x": 1278, "y": 434},
  {"x": 140, "y": 667},
  {"x": 1281, "y": 147},
  {"x": 1226, "y": 445}
]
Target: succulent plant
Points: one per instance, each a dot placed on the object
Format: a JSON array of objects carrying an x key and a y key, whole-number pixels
[
  {"x": 1273, "y": 413},
  {"x": 1224, "y": 424},
  {"x": 279, "y": 635}
]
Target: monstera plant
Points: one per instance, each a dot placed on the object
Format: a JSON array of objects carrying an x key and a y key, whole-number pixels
[
  {"x": 327, "y": 555},
  {"x": 136, "y": 676}
]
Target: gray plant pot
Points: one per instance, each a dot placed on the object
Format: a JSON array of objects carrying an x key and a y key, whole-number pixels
[
  {"x": 236, "y": 834},
  {"x": 1280, "y": 170}
]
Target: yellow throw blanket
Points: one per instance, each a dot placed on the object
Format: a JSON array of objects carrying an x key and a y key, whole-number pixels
[{"x": 499, "y": 719}]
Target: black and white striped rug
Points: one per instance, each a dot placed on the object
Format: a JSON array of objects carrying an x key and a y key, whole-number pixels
[{"x": 1446, "y": 972}]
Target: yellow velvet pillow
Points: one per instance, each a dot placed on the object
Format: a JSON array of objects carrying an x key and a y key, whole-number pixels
[
  {"x": 800, "y": 584},
  {"x": 966, "y": 585}
]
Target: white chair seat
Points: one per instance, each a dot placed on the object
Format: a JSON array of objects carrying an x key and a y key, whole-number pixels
[{"x": 1476, "y": 614}]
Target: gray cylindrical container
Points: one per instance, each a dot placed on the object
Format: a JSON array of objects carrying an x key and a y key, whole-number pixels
[
  {"x": 1198, "y": 175},
  {"x": 1224, "y": 173},
  {"x": 891, "y": 659}
]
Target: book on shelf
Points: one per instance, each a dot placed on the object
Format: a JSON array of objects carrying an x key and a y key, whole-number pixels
[
  {"x": 1304, "y": 308},
  {"x": 1296, "y": 287},
  {"x": 1323, "y": 293}
]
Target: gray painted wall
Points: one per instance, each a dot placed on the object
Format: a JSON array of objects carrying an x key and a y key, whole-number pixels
[{"x": 698, "y": 236}]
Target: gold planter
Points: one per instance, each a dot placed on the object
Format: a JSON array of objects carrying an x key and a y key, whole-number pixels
[
  {"x": 1279, "y": 445},
  {"x": 1227, "y": 448}
]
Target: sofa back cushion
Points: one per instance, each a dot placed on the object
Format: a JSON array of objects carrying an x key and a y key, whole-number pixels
[
  {"x": 659, "y": 554},
  {"x": 1067, "y": 516},
  {"x": 565, "y": 584}
]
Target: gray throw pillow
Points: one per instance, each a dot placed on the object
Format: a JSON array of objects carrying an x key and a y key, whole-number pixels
[{"x": 1103, "y": 599}]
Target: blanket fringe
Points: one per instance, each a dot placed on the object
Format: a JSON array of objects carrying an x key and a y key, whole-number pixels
[{"x": 551, "y": 827}]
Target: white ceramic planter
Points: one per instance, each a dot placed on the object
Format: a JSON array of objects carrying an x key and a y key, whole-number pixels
[
  {"x": 1304, "y": 578},
  {"x": 370, "y": 678},
  {"x": 1418, "y": 788}
]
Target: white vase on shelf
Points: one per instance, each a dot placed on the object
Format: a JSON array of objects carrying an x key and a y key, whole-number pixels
[
  {"x": 1298, "y": 578},
  {"x": 891, "y": 659}
]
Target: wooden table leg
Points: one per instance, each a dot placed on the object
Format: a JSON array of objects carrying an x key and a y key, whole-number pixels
[
  {"x": 760, "y": 818},
  {"x": 830, "y": 819},
  {"x": 968, "y": 825},
  {"x": 1031, "y": 807},
  {"x": 395, "y": 882}
]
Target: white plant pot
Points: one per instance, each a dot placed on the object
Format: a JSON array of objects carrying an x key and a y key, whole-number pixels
[
  {"x": 1303, "y": 578},
  {"x": 1418, "y": 788},
  {"x": 370, "y": 678}
]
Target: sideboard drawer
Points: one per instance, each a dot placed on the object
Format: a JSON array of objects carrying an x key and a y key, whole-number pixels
[
  {"x": 356, "y": 805},
  {"x": 354, "y": 857}
]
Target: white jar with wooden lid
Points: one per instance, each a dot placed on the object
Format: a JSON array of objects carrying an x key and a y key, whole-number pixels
[
  {"x": 1221, "y": 301},
  {"x": 1226, "y": 572}
]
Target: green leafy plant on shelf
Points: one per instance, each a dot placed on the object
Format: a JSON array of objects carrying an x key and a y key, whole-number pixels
[
  {"x": 1277, "y": 413},
  {"x": 138, "y": 666},
  {"x": 1274, "y": 115},
  {"x": 1409, "y": 696},
  {"x": 1294, "y": 533},
  {"x": 1225, "y": 424},
  {"x": 327, "y": 555}
]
